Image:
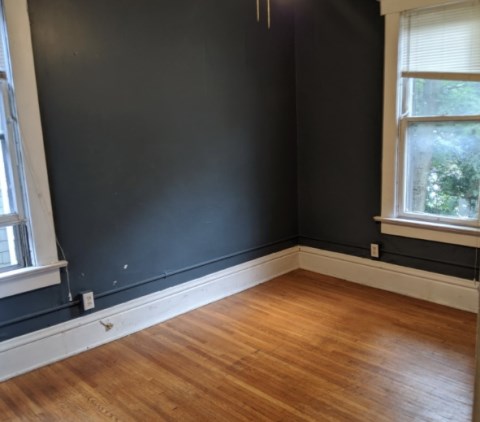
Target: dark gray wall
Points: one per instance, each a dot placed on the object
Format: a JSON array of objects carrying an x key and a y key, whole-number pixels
[
  {"x": 339, "y": 56},
  {"x": 170, "y": 137}
]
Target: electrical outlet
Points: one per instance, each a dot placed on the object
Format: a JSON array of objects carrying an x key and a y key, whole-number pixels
[
  {"x": 374, "y": 250},
  {"x": 87, "y": 301}
]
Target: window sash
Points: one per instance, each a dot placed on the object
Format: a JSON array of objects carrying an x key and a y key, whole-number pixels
[
  {"x": 401, "y": 202},
  {"x": 453, "y": 53},
  {"x": 12, "y": 220},
  {"x": 12, "y": 149},
  {"x": 448, "y": 76},
  {"x": 16, "y": 246}
]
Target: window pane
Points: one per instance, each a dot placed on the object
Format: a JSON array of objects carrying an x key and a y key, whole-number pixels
[
  {"x": 5, "y": 180},
  {"x": 8, "y": 242},
  {"x": 444, "y": 98},
  {"x": 7, "y": 185},
  {"x": 443, "y": 169}
]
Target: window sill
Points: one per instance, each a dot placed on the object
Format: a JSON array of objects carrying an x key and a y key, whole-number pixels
[
  {"x": 437, "y": 232},
  {"x": 31, "y": 278}
]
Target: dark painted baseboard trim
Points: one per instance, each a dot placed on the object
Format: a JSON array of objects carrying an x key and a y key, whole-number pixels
[
  {"x": 364, "y": 251},
  {"x": 351, "y": 249},
  {"x": 287, "y": 242}
]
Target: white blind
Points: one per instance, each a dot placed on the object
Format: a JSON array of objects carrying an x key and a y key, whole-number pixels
[{"x": 443, "y": 39}]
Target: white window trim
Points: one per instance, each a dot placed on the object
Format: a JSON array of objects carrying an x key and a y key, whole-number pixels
[
  {"x": 396, "y": 6},
  {"x": 391, "y": 223},
  {"x": 45, "y": 270}
]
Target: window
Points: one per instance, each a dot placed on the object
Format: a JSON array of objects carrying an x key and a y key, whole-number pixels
[
  {"x": 28, "y": 254},
  {"x": 431, "y": 151},
  {"x": 14, "y": 252}
]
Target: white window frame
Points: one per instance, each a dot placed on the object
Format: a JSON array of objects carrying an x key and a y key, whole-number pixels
[
  {"x": 391, "y": 222},
  {"x": 45, "y": 268}
]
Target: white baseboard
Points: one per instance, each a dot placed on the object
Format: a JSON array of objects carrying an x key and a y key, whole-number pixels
[
  {"x": 437, "y": 288},
  {"x": 31, "y": 351}
]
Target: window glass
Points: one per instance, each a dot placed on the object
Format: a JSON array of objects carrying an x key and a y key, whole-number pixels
[
  {"x": 443, "y": 169},
  {"x": 430, "y": 97},
  {"x": 8, "y": 246},
  {"x": 13, "y": 222}
]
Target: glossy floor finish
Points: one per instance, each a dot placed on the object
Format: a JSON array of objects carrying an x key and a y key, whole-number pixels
[{"x": 302, "y": 347}]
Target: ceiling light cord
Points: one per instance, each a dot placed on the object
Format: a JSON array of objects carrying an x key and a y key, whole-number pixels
[{"x": 269, "y": 13}]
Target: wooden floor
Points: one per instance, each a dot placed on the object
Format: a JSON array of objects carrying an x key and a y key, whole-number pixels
[{"x": 302, "y": 347}]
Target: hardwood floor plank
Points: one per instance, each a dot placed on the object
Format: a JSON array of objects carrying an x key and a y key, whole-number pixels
[{"x": 302, "y": 347}]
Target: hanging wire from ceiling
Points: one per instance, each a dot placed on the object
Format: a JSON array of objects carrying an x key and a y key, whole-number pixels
[
  {"x": 269, "y": 20},
  {"x": 268, "y": 14}
]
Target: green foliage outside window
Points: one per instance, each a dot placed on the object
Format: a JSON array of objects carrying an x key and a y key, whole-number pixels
[{"x": 450, "y": 183}]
